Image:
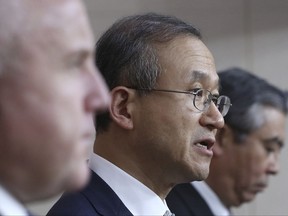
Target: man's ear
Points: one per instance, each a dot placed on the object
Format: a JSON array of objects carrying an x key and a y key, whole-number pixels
[
  {"x": 121, "y": 106},
  {"x": 224, "y": 139}
]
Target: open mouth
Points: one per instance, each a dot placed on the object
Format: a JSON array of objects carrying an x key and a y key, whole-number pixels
[
  {"x": 206, "y": 144},
  {"x": 202, "y": 145}
]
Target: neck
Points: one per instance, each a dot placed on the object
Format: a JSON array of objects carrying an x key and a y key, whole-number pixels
[{"x": 133, "y": 162}]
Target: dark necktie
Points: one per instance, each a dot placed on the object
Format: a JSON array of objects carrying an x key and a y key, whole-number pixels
[
  {"x": 29, "y": 213},
  {"x": 168, "y": 213}
]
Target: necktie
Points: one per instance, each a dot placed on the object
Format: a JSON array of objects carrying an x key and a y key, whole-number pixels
[
  {"x": 168, "y": 213},
  {"x": 29, "y": 213}
]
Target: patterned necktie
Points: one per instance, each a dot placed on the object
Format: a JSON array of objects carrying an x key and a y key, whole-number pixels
[{"x": 168, "y": 213}]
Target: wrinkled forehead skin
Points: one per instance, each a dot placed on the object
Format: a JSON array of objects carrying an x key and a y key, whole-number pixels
[{"x": 22, "y": 21}]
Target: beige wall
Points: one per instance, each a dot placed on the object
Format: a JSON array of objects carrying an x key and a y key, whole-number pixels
[{"x": 252, "y": 34}]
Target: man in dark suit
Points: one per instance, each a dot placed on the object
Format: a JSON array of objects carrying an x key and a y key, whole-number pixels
[
  {"x": 84, "y": 202},
  {"x": 49, "y": 92},
  {"x": 163, "y": 118},
  {"x": 246, "y": 150}
]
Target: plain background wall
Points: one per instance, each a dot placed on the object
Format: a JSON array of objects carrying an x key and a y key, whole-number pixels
[{"x": 252, "y": 34}]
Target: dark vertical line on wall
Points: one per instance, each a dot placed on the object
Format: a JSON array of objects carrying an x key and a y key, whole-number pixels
[{"x": 248, "y": 34}]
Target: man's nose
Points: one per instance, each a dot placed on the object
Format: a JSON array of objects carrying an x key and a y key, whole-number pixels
[
  {"x": 99, "y": 98},
  {"x": 273, "y": 166},
  {"x": 212, "y": 118}
]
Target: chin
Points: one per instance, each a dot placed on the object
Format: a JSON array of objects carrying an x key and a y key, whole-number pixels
[
  {"x": 248, "y": 197},
  {"x": 199, "y": 175},
  {"x": 202, "y": 173},
  {"x": 79, "y": 180},
  {"x": 202, "y": 177}
]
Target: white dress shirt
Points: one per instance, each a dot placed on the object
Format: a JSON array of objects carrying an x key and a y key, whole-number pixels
[
  {"x": 138, "y": 198},
  {"x": 213, "y": 201},
  {"x": 9, "y": 206}
]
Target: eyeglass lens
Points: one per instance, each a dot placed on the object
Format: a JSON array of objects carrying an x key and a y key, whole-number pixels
[
  {"x": 203, "y": 99},
  {"x": 223, "y": 104}
]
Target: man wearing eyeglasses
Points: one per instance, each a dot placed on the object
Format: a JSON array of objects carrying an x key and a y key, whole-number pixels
[
  {"x": 246, "y": 151},
  {"x": 163, "y": 118}
]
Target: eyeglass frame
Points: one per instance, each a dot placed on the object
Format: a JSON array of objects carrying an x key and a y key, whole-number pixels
[{"x": 210, "y": 97}]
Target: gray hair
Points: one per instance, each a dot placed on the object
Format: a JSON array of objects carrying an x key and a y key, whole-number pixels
[{"x": 249, "y": 95}]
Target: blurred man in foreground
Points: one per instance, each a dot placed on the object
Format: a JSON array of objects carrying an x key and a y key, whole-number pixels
[{"x": 49, "y": 92}]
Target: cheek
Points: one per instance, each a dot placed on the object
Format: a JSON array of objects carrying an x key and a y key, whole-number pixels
[
  {"x": 251, "y": 167},
  {"x": 258, "y": 168},
  {"x": 257, "y": 158},
  {"x": 180, "y": 129},
  {"x": 63, "y": 111},
  {"x": 169, "y": 124}
]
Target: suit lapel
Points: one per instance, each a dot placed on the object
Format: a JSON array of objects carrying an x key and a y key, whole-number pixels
[
  {"x": 103, "y": 198},
  {"x": 192, "y": 200}
]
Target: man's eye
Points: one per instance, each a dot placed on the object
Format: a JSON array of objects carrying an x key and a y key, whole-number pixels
[
  {"x": 273, "y": 145},
  {"x": 78, "y": 60},
  {"x": 272, "y": 149},
  {"x": 215, "y": 100},
  {"x": 197, "y": 92},
  {"x": 269, "y": 149}
]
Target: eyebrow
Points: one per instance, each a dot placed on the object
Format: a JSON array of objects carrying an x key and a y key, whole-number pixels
[
  {"x": 272, "y": 140},
  {"x": 79, "y": 54},
  {"x": 197, "y": 75}
]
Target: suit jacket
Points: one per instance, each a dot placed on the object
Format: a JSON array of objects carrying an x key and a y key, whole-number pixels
[
  {"x": 184, "y": 199},
  {"x": 96, "y": 199}
]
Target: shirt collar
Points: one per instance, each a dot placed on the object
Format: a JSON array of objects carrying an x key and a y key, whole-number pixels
[
  {"x": 138, "y": 198},
  {"x": 212, "y": 200},
  {"x": 9, "y": 205}
]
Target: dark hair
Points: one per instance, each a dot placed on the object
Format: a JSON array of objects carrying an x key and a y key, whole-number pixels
[
  {"x": 249, "y": 94},
  {"x": 126, "y": 54}
]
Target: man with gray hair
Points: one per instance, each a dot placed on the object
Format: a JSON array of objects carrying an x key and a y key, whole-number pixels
[
  {"x": 49, "y": 93},
  {"x": 246, "y": 151}
]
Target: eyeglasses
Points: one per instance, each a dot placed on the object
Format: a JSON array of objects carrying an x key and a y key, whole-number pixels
[{"x": 202, "y": 99}]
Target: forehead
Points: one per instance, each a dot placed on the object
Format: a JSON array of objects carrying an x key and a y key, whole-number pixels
[
  {"x": 55, "y": 32},
  {"x": 66, "y": 22},
  {"x": 187, "y": 60},
  {"x": 50, "y": 26}
]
